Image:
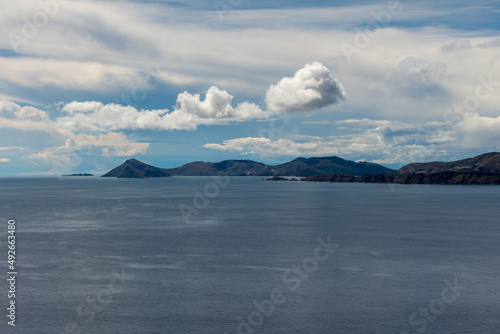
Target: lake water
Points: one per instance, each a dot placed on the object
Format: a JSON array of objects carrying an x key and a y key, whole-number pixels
[{"x": 101, "y": 255}]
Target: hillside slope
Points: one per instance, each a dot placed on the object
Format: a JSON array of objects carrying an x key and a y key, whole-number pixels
[{"x": 487, "y": 163}]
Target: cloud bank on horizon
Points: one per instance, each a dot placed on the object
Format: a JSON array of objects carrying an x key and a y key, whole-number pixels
[{"x": 86, "y": 83}]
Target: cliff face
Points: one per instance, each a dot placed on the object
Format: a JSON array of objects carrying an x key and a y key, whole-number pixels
[
  {"x": 486, "y": 163},
  {"x": 133, "y": 168}
]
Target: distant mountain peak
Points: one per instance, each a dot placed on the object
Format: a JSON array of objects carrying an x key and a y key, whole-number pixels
[{"x": 134, "y": 161}]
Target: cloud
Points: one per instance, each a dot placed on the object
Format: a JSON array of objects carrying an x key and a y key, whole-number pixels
[
  {"x": 419, "y": 78},
  {"x": 465, "y": 44},
  {"x": 303, "y": 146},
  {"x": 311, "y": 88},
  {"x": 11, "y": 148},
  {"x": 457, "y": 44},
  {"x": 38, "y": 133},
  {"x": 97, "y": 51},
  {"x": 5, "y": 160},
  {"x": 81, "y": 107},
  {"x": 111, "y": 144},
  {"x": 189, "y": 112},
  {"x": 217, "y": 105},
  {"x": 478, "y": 131},
  {"x": 11, "y": 110},
  {"x": 13, "y": 116},
  {"x": 99, "y": 48},
  {"x": 383, "y": 142},
  {"x": 494, "y": 43}
]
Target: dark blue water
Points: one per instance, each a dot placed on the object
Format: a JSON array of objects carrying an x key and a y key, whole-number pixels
[{"x": 118, "y": 256}]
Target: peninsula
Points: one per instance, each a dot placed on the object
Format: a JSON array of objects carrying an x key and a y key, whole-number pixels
[{"x": 483, "y": 169}]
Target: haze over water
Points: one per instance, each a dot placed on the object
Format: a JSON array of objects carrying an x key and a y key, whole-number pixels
[{"x": 399, "y": 248}]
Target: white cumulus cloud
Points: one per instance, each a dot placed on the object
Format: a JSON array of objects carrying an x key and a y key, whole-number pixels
[
  {"x": 189, "y": 112},
  {"x": 311, "y": 88},
  {"x": 21, "y": 122},
  {"x": 12, "y": 110}
]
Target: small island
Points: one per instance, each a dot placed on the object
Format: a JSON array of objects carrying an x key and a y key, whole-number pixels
[
  {"x": 279, "y": 178},
  {"x": 79, "y": 174}
]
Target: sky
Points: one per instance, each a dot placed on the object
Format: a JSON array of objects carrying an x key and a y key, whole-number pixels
[{"x": 85, "y": 85}]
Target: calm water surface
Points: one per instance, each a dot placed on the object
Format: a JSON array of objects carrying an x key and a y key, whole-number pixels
[{"x": 118, "y": 256}]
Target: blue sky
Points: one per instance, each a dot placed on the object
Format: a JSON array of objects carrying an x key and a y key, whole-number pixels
[{"x": 85, "y": 84}]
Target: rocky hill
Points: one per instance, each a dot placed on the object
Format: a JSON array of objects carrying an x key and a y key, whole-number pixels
[{"x": 133, "y": 168}]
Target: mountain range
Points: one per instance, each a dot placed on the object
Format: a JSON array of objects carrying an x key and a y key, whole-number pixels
[
  {"x": 303, "y": 167},
  {"x": 482, "y": 169}
]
